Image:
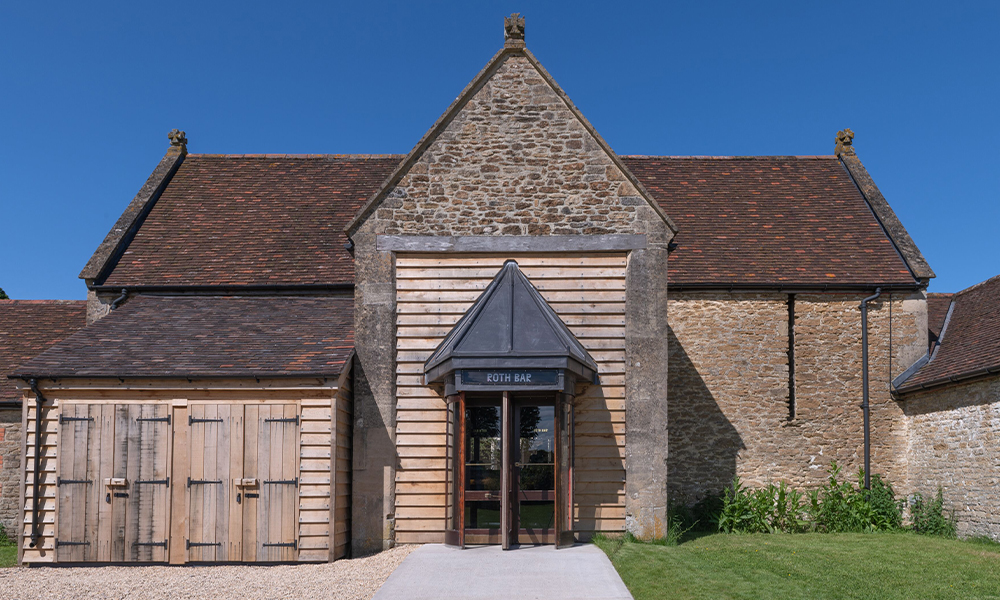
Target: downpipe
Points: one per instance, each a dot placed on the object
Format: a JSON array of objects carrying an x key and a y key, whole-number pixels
[
  {"x": 37, "y": 483},
  {"x": 865, "y": 409}
]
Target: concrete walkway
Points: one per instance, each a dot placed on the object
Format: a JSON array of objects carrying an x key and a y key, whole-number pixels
[{"x": 438, "y": 572}]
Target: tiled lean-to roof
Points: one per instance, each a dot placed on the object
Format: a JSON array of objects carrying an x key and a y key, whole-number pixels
[
  {"x": 769, "y": 220},
  {"x": 210, "y": 336},
  {"x": 278, "y": 220},
  {"x": 28, "y": 327},
  {"x": 970, "y": 340},
  {"x": 252, "y": 220}
]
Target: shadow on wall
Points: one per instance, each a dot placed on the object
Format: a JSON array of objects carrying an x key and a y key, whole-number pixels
[
  {"x": 373, "y": 459},
  {"x": 598, "y": 469},
  {"x": 703, "y": 446}
]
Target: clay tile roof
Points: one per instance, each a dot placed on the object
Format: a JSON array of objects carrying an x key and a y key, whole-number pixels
[
  {"x": 279, "y": 219},
  {"x": 970, "y": 344},
  {"x": 256, "y": 219},
  {"x": 28, "y": 327},
  {"x": 200, "y": 336},
  {"x": 770, "y": 220},
  {"x": 937, "y": 310}
]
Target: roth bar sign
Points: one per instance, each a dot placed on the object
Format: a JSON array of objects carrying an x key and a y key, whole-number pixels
[{"x": 511, "y": 377}]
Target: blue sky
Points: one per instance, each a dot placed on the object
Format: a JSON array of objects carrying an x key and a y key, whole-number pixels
[{"x": 88, "y": 92}]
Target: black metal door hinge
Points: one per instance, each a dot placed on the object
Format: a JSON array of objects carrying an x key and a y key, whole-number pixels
[
  {"x": 62, "y": 543},
  {"x": 292, "y": 544},
  {"x": 192, "y": 420},
  {"x": 60, "y": 481},
  {"x": 165, "y": 482},
  {"x": 165, "y": 419},
  {"x": 202, "y": 482},
  {"x": 162, "y": 544},
  {"x": 191, "y": 544},
  {"x": 63, "y": 419},
  {"x": 294, "y": 482},
  {"x": 283, "y": 420}
]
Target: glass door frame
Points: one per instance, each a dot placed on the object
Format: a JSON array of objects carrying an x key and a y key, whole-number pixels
[{"x": 455, "y": 522}]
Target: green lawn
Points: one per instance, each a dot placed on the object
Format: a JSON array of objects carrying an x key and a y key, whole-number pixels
[
  {"x": 871, "y": 566},
  {"x": 8, "y": 556}
]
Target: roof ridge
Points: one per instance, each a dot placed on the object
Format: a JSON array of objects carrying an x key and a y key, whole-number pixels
[
  {"x": 40, "y": 301},
  {"x": 973, "y": 287},
  {"x": 300, "y": 156},
  {"x": 734, "y": 157}
]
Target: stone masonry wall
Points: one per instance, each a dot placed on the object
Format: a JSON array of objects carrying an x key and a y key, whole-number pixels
[
  {"x": 728, "y": 389},
  {"x": 954, "y": 440},
  {"x": 10, "y": 469},
  {"x": 514, "y": 161}
]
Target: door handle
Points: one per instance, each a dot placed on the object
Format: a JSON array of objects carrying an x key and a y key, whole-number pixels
[{"x": 239, "y": 498}]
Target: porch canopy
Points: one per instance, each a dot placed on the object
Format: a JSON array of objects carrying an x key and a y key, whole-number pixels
[{"x": 509, "y": 339}]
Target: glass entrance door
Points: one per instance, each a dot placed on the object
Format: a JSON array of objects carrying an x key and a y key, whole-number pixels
[
  {"x": 511, "y": 475},
  {"x": 534, "y": 472},
  {"x": 483, "y": 472}
]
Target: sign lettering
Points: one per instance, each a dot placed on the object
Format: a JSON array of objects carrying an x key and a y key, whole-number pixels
[{"x": 511, "y": 377}]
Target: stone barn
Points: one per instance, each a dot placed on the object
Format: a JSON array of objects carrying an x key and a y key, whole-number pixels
[{"x": 510, "y": 335}]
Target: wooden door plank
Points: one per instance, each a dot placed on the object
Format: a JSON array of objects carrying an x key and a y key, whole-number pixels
[
  {"x": 196, "y": 493},
  {"x": 161, "y": 472},
  {"x": 290, "y": 470},
  {"x": 178, "y": 491},
  {"x": 64, "y": 515},
  {"x": 139, "y": 456},
  {"x": 278, "y": 492},
  {"x": 264, "y": 472},
  {"x": 234, "y": 526},
  {"x": 120, "y": 471},
  {"x": 250, "y": 471},
  {"x": 94, "y": 495},
  {"x": 105, "y": 531},
  {"x": 212, "y": 440}
]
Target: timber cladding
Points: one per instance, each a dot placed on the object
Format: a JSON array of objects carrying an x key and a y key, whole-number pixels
[
  {"x": 222, "y": 475},
  {"x": 587, "y": 291}
]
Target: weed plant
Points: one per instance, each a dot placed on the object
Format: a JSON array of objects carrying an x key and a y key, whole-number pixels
[
  {"x": 836, "y": 507},
  {"x": 929, "y": 516}
]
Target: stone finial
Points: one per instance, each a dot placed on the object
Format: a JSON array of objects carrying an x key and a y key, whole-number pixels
[
  {"x": 177, "y": 138},
  {"x": 513, "y": 31},
  {"x": 845, "y": 141}
]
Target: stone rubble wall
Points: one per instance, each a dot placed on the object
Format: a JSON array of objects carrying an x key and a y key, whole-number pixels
[
  {"x": 514, "y": 161},
  {"x": 955, "y": 444},
  {"x": 728, "y": 389},
  {"x": 10, "y": 469}
]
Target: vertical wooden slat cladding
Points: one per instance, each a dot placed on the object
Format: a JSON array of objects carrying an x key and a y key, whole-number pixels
[
  {"x": 298, "y": 441},
  {"x": 117, "y": 523},
  {"x": 432, "y": 293}
]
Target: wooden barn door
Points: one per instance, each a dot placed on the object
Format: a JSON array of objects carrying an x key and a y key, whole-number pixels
[
  {"x": 216, "y": 454},
  {"x": 113, "y": 483},
  {"x": 243, "y": 485},
  {"x": 271, "y": 461}
]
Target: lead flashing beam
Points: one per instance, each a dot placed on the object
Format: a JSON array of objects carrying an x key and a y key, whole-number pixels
[{"x": 549, "y": 243}]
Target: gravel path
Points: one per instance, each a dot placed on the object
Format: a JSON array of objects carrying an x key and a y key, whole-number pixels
[{"x": 356, "y": 579}]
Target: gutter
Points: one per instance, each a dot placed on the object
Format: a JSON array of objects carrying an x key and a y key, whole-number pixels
[
  {"x": 936, "y": 383},
  {"x": 792, "y": 288},
  {"x": 36, "y": 484},
  {"x": 228, "y": 290}
]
